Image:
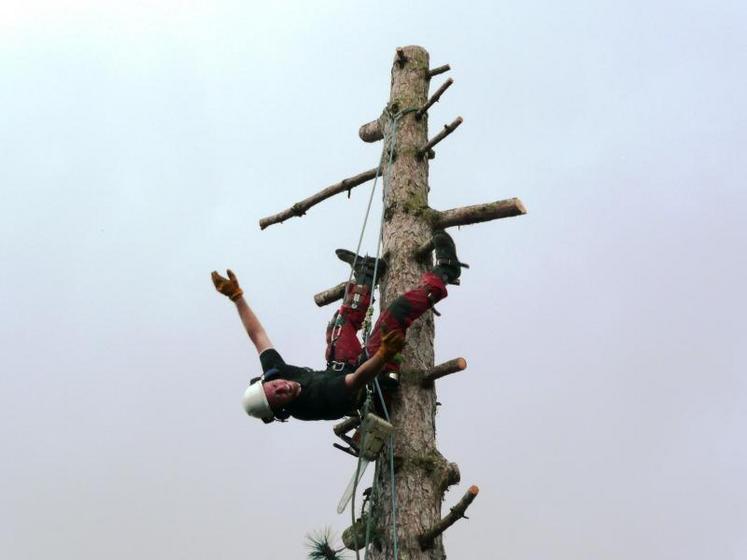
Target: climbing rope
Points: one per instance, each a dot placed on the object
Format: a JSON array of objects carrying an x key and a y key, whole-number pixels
[
  {"x": 374, "y": 490},
  {"x": 364, "y": 412},
  {"x": 380, "y": 243},
  {"x": 393, "y": 136},
  {"x": 395, "y": 540},
  {"x": 372, "y": 499},
  {"x": 366, "y": 333}
]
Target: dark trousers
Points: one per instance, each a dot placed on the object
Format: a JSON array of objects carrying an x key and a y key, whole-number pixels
[{"x": 342, "y": 332}]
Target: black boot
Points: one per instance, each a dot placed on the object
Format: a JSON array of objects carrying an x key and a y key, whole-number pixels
[
  {"x": 447, "y": 265},
  {"x": 363, "y": 267}
]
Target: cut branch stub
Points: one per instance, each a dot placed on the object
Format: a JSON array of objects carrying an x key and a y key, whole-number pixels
[
  {"x": 434, "y": 98},
  {"x": 329, "y": 296},
  {"x": 441, "y": 370},
  {"x": 448, "y": 129},
  {"x": 438, "y": 70},
  {"x": 300, "y": 208},
  {"x": 468, "y": 215},
  {"x": 456, "y": 513},
  {"x": 354, "y": 537},
  {"x": 453, "y": 476},
  {"x": 479, "y": 213},
  {"x": 371, "y": 132}
]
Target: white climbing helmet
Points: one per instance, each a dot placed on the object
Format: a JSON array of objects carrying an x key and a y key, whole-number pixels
[{"x": 255, "y": 402}]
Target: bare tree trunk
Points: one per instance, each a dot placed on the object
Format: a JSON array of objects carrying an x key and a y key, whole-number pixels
[
  {"x": 420, "y": 470},
  {"x": 421, "y": 475}
]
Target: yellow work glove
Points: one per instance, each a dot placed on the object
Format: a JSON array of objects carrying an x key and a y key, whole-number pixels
[
  {"x": 229, "y": 287},
  {"x": 392, "y": 344}
]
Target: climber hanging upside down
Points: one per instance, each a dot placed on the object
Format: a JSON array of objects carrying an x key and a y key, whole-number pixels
[{"x": 284, "y": 390}]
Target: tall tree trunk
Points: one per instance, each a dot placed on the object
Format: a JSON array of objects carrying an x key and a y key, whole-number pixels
[
  {"x": 420, "y": 470},
  {"x": 421, "y": 475}
]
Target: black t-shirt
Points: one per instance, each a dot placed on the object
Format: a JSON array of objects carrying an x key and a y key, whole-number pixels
[{"x": 324, "y": 395}]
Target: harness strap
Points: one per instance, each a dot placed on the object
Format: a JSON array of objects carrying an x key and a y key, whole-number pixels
[{"x": 340, "y": 366}]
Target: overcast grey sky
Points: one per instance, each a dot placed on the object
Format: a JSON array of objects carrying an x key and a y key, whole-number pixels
[{"x": 604, "y": 410}]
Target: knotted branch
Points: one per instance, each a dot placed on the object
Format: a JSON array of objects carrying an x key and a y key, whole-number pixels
[
  {"x": 439, "y": 70},
  {"x": 441, "y": 370},
  {"x": 329, "y": 296},
  {"x": 300, "y": 208},
  {"x": 456, "y": 513},
  {"x": 479, "y": 213},
  {"x": 354, "y": 537},
  {"x": 371, "y": 132},
  {"x": 449, "y": 477},
  {"x": 434, "y": 98},
  {"x": 448, "y": 129}
]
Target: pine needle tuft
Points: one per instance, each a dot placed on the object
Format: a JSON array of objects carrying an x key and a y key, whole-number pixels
[{"x": 319, "y": 546}]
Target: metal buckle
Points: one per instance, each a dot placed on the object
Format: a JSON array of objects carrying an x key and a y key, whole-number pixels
[{"x": 338, "y": 366}]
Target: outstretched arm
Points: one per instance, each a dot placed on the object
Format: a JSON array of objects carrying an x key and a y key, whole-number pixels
[
  {"x": 230, "y": 288},
  {"x": 253, "y": 327},
  {"x": 391, "y": 343}
]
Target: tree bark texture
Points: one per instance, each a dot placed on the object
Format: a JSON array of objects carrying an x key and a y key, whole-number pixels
[{"x": 421, "y": 472}]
